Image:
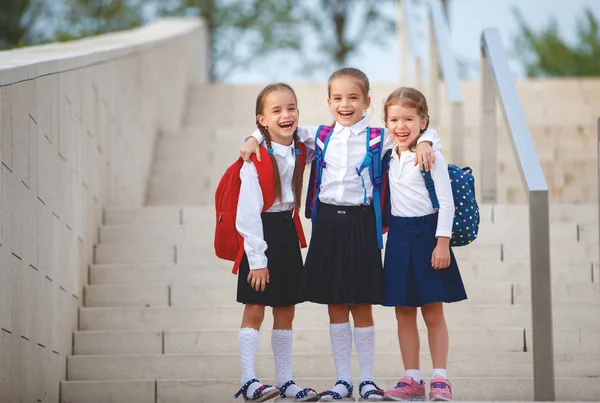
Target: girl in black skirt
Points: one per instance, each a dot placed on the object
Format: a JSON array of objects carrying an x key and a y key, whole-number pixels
[
  {"x": 271, "y": 269},
  {"x": 343, "y": 268},
  {"x": 420, "y": 268}
]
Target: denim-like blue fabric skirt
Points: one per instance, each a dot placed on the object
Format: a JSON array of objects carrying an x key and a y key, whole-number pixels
[{"x": 410, "y": 280}]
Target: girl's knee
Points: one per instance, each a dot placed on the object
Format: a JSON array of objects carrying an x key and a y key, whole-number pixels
[
  {"x": 406, "y": 314},
  {"x": 253, "y": 315},
  {"x": 362, "y": 314},
  {"x": 283, "y": 317},
  {"x": 433, "y": 314},
  {"x": 339, "y": 313}
]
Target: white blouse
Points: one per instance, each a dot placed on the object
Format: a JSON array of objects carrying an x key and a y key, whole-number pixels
[
  {"x": 409, "y": 196},
  {"x": 340, "y": 184},
  {"x": 250, "y": 204}
]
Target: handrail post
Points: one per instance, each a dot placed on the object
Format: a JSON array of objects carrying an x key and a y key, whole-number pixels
[
  {"x": 489, "y": 135},
  {"x": 434, "y": 78},
  {"x": 401, "y": 33},
  {"x": 599, "y": 180},
  {"x": 497, "y": 80},
  {"x": 541, "y": 296},
  {"x": 457, "y": 131}
]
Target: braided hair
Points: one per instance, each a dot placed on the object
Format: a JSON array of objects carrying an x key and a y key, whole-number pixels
[{"x": 298, "y": 168}]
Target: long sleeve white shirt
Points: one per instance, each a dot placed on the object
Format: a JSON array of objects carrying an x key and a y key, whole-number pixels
[
  {"x": 250, "y": 204},
  {"x": 409, "y": 195},
  {"x": 340, "y": 184}
]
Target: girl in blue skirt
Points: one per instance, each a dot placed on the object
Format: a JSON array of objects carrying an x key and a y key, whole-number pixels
[{"x": 420, "y": 270}]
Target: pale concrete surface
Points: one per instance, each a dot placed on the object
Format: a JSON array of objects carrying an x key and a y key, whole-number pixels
[
  {"x": 161, "y": 309},
  {"x": 78, "y": 123},
  {"x": 219, "y": 116},
  {"x": 158, "y": 320}
]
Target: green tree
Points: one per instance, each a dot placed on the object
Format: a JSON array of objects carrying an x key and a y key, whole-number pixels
[
  {"x": 94, "y": 17},
  {"x": 17, "y": 22},
  {"x": 546, "y": 54},
  {"x": 242, "y": 31},
  {"x": 342, "y": 27}
]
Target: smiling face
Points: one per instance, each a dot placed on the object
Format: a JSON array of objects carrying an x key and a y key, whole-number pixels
[
  {"x": 347, "y": 100},
  {"x": 279, "y": 114},
  {"x": 405, "y": 125}
]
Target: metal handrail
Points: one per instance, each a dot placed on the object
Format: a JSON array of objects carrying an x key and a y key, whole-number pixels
[
  {"x": 497, "y": 84},
  {"x": 442, "y": 61}
]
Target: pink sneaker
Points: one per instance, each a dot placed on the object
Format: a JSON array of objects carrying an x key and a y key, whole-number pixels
[
  {"x": 407, "y": 390},
  {"x": 441, "y": 390}
]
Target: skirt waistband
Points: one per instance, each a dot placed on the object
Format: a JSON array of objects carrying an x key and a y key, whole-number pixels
[
  {"x": 277, "y": 214},
  {"x": 344, "y": 210},
  {"x": 413, "y": 221}
]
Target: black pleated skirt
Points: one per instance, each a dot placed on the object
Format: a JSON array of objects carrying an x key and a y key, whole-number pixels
[
  {"x": 343, "y": 264},
  {"x": 284, "y": 263}
]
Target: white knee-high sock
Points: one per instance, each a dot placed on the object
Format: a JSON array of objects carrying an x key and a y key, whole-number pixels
[
  {"x": 281, "y": 343},
  {"x": 341, "y": 344},
  {"x": 364, "y": 339},
  {"x": 248, "y": 348}
]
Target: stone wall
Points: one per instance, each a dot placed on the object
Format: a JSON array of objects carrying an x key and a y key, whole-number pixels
[{"x": 78, "y": 123}]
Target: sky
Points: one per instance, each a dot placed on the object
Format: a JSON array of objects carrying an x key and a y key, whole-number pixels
[{"x": 467, "y": 19}]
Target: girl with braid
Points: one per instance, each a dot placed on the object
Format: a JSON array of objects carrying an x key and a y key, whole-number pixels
[
  {"x": 270, "y": 271},
  {"x": 343, "y": 266}
]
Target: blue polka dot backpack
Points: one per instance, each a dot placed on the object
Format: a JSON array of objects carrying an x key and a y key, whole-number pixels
[{"x": 466, "y": 210}]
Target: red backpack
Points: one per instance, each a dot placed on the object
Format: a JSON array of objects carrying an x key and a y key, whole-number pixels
[{"x": 229, "y": 244}]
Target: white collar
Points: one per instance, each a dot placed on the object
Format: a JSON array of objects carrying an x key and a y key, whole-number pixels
[
  {"x": 281, "y": 149},
  {"x": 355, "y": 129},
  {"x": 397, "y": 156}
]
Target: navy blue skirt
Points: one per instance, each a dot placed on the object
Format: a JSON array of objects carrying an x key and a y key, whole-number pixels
[
  {"x": 343, "y": 264},
  {"x": 410, "y": 280},
  {"x": 284, "y": 263}
]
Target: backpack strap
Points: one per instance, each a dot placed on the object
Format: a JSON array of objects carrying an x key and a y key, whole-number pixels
[
  {"x": 322, "y": 138},
  {"x": 372, "y": 161},
  {"x": 430, "y": 189},
  {"x": 386, "y": 203},
  {"x": 296, "y": 216}
]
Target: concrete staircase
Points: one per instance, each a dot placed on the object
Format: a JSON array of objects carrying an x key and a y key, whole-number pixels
[{"x": 160, "y": 319}]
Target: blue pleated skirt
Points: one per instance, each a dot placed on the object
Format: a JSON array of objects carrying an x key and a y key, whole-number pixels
[{"x": 410, "y": 280}]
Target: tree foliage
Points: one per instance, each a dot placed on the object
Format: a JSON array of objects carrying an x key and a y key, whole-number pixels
[
  {"x": 242, "y": 32},
  {"x": 17, "y": 22},
  {"x": 342, "y": 27},
  {"x": 546, "y": 54},
  {"x": 94, "y": 17}
]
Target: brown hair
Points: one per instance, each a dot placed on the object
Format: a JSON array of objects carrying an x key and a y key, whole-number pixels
[
  {"x": 298, "y": 176},
  {"x": 410, "y": 98},
  {"x": 352, "y": 72}
]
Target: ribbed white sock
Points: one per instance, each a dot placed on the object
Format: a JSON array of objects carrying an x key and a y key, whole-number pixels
[
  {"x": 281, "y": 342},
  {"x": 414, "y": 374},
  {"x": 341, "y": 345},
  {"x": 440, "y": 372},
  {"x": 364, "y": 340},
  {"x": 248, "y": 348}
]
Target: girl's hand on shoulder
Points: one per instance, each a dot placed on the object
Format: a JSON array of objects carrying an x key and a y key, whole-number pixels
[
  {"x": 258, "y": 279},
  {"x": 251, "y": 147},
  {"x": 424, "y": 155},
  {"x": 441, "y": 254}
]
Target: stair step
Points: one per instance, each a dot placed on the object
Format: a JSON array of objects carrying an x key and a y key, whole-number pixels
[
  {"x": 507, "y": 339},
  {"x": 158, "y": 215},
  {"x": 201, "y": 295},
  {"x": 176, "y": 366},
  {"x": 220, "y": 270},
  {"x": 222, "y": 390},
  {"x": 203, "y": 230},
  {"x": 311, "y": 315},
  {"x": 577, "y": 253},
  {"x": 131, "y": 295}
]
